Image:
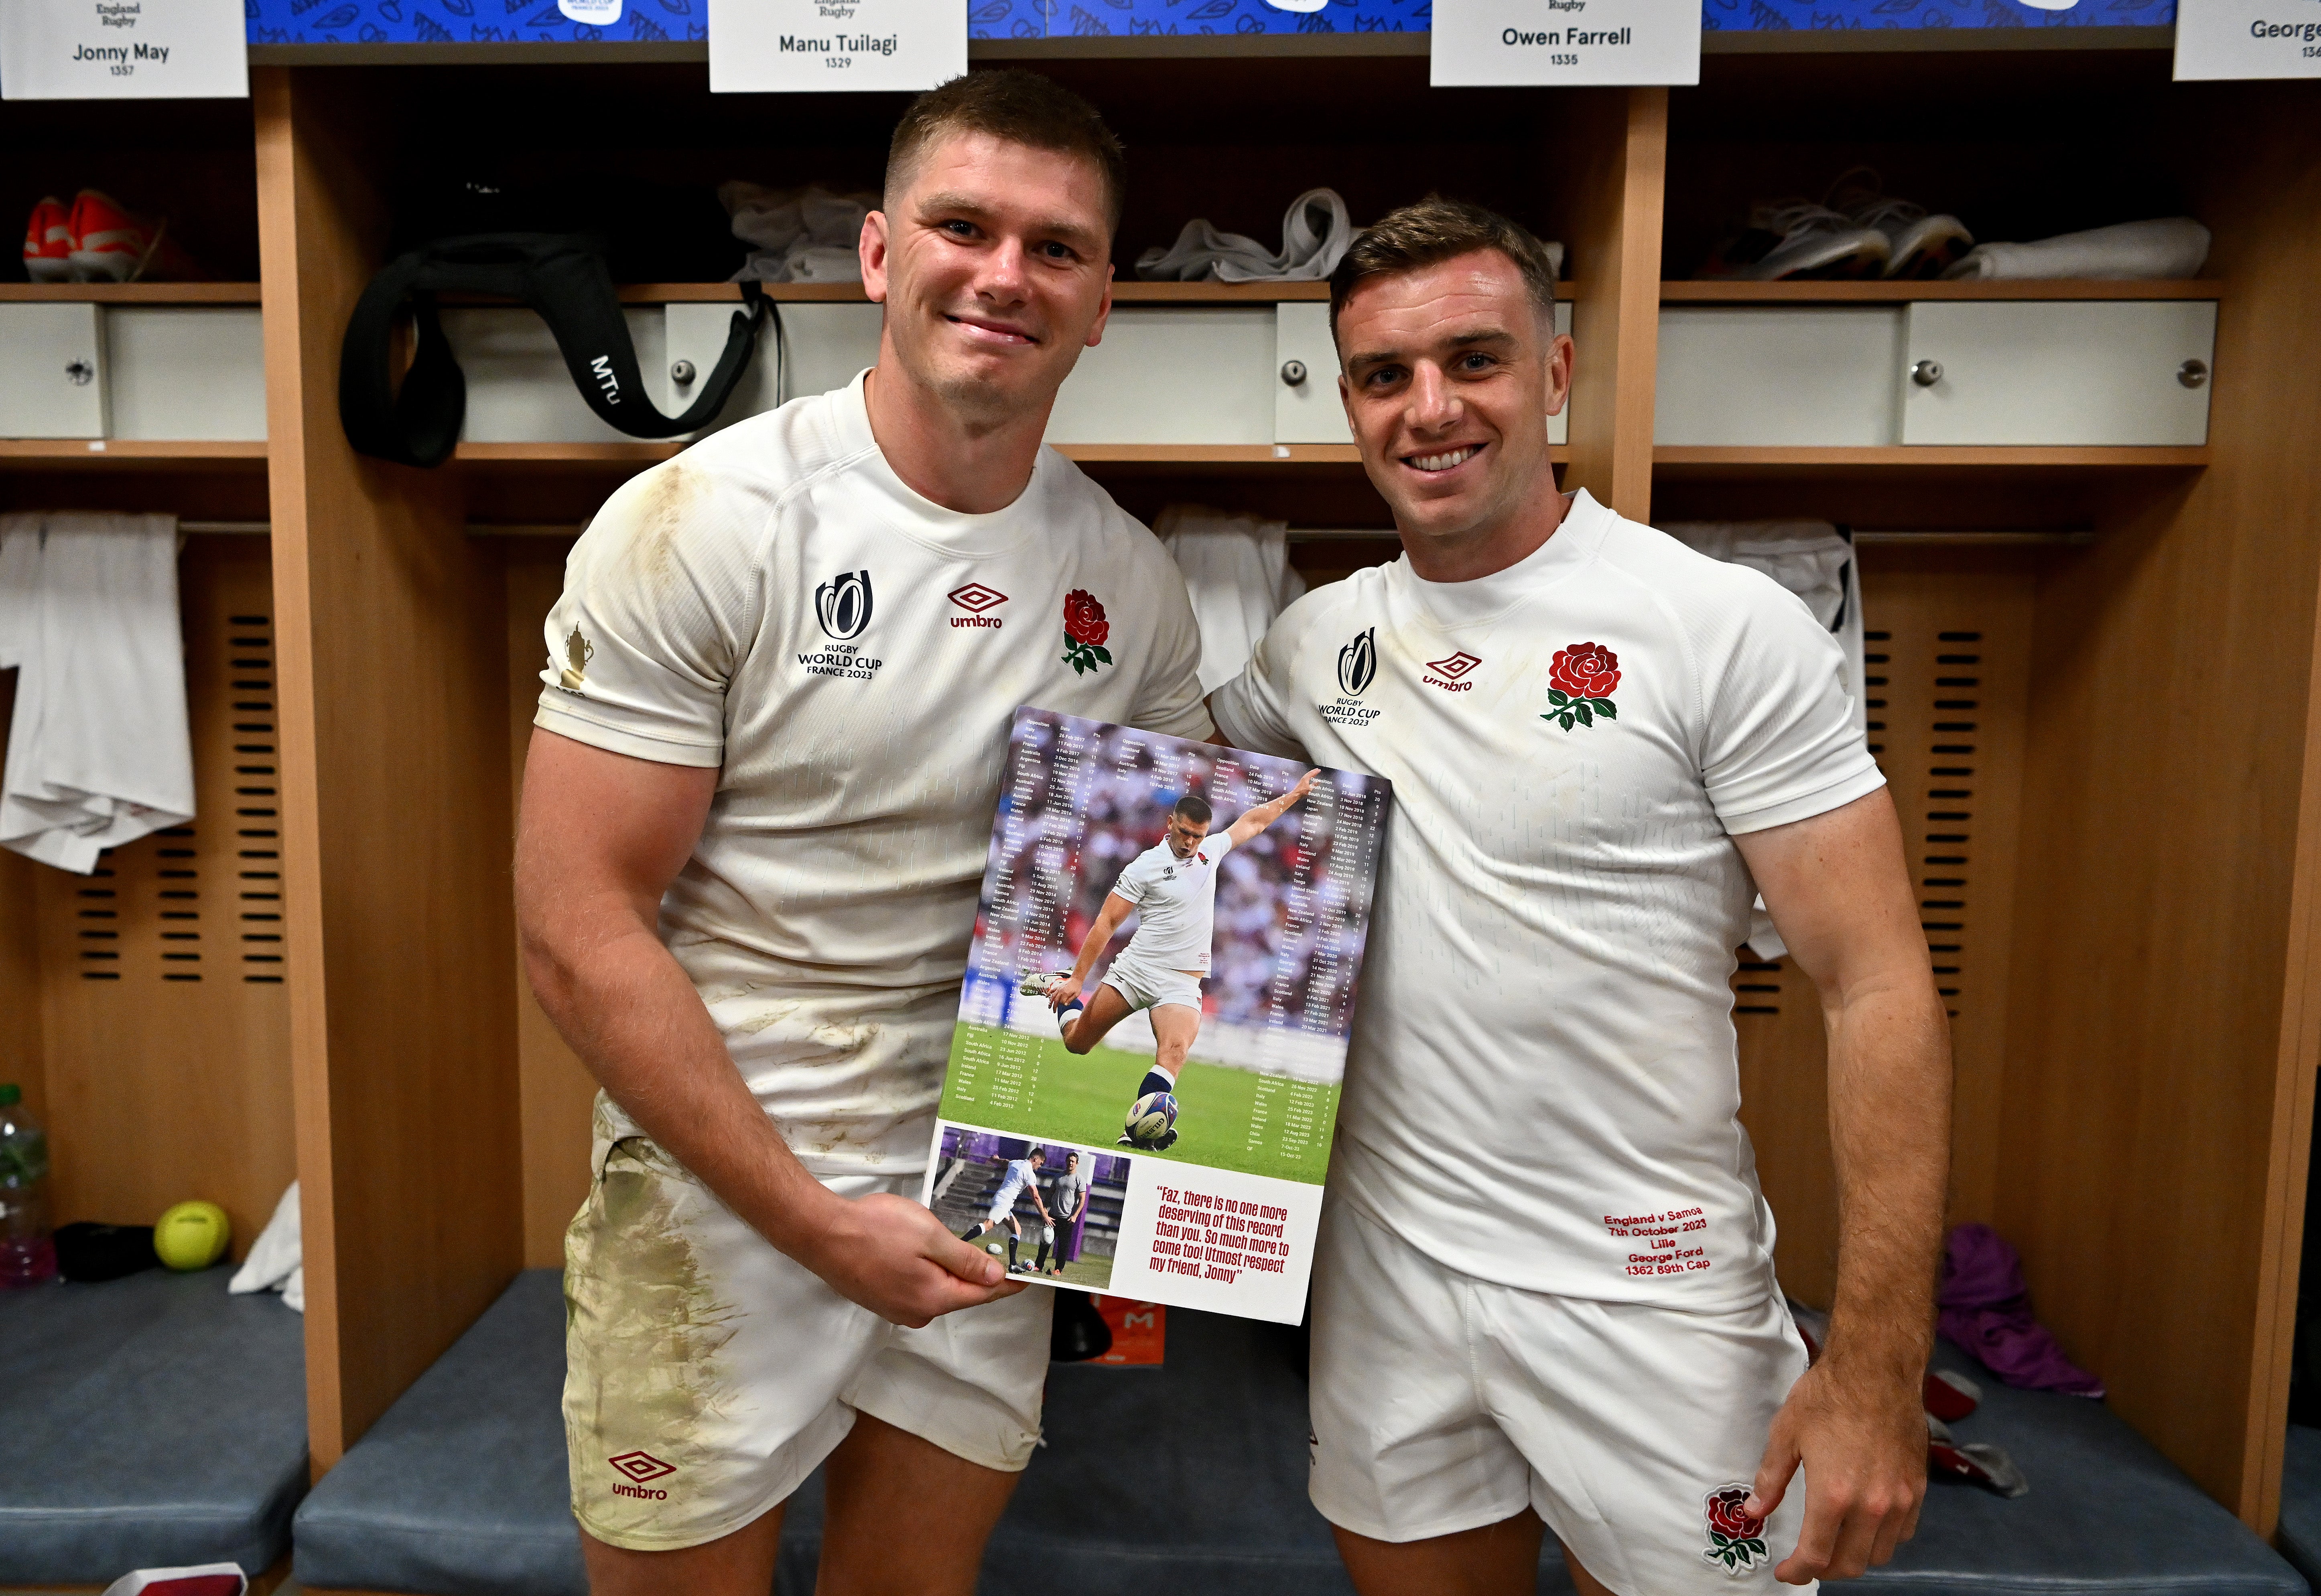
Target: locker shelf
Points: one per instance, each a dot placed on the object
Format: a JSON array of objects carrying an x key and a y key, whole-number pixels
[
  {"x": 131, "y": 454},
  {"x": 1884, "y": 293}
]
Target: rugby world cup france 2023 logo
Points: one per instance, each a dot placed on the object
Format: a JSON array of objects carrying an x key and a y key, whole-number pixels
[
  {"x": 843, "y": 605},
  {"x": 1358, "y": 663}
]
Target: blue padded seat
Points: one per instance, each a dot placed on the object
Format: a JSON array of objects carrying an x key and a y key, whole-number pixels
[
  {"x": 1191, "y": 1477},
  {"x": 150, "y": 1421},
  {"x": 2107, "y": 1514},
  {"x": 2300, "y": 1502}
]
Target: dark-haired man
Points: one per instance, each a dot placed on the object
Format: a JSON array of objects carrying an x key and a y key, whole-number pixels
[
  {"x": 1172, "y": 889},
  {"x": 753, "y": 827},
  {"x": 1545, "y": 1288}
]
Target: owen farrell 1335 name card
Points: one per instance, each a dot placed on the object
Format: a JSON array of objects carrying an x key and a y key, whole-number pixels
[{"x": 1144, "y": 1077}]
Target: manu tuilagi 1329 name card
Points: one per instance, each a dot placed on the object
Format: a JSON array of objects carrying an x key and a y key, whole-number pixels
[{"x": 1144, "y": 1077}]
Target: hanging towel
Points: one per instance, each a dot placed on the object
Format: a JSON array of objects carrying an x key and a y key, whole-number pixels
[
  {"x": 277, "y": 1260},
  {"x": 1314, "y": 235},
  {"x": 2170, "y": 246},
  {"x": 1986, "y": 1309},
  {"x": 802, "y": 235},
  {"x": 1813, "y": 560},
  {"x": 99, "y": 750},
  {"x": 1237, "y": 569}
]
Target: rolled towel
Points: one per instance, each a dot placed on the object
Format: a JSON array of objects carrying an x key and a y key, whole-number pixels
[
  {"x": 1314, "y": 235},
  {"x": 2168, "y": 247}
]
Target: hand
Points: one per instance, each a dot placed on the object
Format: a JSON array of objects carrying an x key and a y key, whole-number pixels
[
  {"x": 1305, "y": 786},
  {"x": 1862, "y": 1441},
  {"x": 1065, "y": 991},
  {"x": 896, "y": 1258}
]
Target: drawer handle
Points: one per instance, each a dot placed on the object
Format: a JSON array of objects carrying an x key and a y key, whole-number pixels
[
  {"x": 1926, "y": 373},
  {"x": 1293, "y": 372},
  {"x": 79, "y": 373},
  {"x": 682, "y": 372},
  {"x": 2192, "y": 374}
]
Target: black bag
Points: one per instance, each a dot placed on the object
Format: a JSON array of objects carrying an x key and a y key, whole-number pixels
[{"x": 564, "y": 277}]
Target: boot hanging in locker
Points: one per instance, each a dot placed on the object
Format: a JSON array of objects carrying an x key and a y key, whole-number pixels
[{"x": 566, "y": 280}]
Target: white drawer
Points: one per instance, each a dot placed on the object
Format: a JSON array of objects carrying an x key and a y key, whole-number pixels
[
  {"x": 1170, "y": 374},
  {"x": 2044, "y": 372},
  {"x": 53, "y": 371},
  {"x": 185, "y": 372},
  {"x": 827, "y": 345},
  {"x": 1776, "y": 376}
]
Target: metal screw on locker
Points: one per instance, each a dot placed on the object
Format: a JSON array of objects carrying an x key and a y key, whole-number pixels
[
  {"x": 2192, "y": 374},
  {"x": 1293, "y": 372},
  {"x": 1926, "y": 373},
  {"x": 79, "y": 373},
  {"x": 681, "y": 371}
]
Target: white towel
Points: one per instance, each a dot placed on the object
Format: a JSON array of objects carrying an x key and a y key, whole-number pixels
[
  {"x": 1813, "y": 561},
  {"x": 1315, "y": 236},
  {"x": 1237, "y": 569},
  {"x": 803, "y": 235},
  {"x": 277, "y": 1260},
  {"x": 98, "y": 751},
  {"x": 2171, "y": 247}
]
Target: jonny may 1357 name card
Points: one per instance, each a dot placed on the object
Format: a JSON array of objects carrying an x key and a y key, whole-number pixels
[
  {"x": 801, "y": 46},
  {"x": 122, "y": 50},
  {"x": 1487, "y": 43}
]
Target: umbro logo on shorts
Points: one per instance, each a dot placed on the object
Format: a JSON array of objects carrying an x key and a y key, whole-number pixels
[
  {"x": 1456, "y": 666},
  {"x": 640, "y": 1467},
  {"x": 975, "y": 598}
]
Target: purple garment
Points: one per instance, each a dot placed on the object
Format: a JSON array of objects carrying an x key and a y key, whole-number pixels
[{"x": 1986, "y": 1309}]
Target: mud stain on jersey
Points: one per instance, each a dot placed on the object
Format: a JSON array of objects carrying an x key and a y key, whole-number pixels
[
  {"x": 667, "y": 500},
  {"x": 647, "y": 1319}
]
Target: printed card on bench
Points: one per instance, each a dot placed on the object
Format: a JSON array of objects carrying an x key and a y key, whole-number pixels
[{"x": 1144, "y": 1077}]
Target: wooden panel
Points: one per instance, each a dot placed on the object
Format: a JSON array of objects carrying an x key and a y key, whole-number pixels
[
  {"x": 1948, "y": 685},
  {"x": 161, "y": 975},
  {"x": 20, "y": 965},
  {"x": 1722, "y": 293},
  {"x": 2155, "y": 1136},
  {"x": 559, "y": 1093},
  {"x": 131, "y": 292},
  {"x": 1617, "y": 176},
  {"x": 394, "y": 673}
]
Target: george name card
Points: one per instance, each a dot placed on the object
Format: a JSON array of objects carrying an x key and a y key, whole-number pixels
[{"x": 2247, "y": 39}]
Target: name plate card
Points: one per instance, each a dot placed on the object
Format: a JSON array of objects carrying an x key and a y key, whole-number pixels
[
  {"x": 2247, "y": 39},
  {"x": 835, "y": 46},
  {"x": 122, "y": 50},
  {"x": 1494, "y": 43}
]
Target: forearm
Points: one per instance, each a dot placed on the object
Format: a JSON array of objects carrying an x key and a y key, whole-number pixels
[
  {"x": 1889, "y": 1094},
  {"x": 633, "y": 1015},
  {"x": 1093, "y": 945}
]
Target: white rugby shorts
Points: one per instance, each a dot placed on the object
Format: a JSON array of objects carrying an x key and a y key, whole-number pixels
[
  {"x": 1441, "y": 1402},
  {"x": 707, "y": 1375},
  {"x": 1146, "y": 986}
]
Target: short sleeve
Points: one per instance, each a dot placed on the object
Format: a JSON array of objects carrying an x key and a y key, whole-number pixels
[
  {"x": 1251, "y": 710},
  {"x": 1169, "y": 698},
  {"x": 659, "y": 595},
  {"x": 1781, "y": 741},
  {"x": 1129, "y": 886}
]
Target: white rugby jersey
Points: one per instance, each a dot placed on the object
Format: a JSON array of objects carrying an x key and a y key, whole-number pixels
[
  {"x": 1012, "y": 1182},
  {"x": 1176, "y": 904},
  {"x": 776, "y": 603},
  {"x": 1542, "y": 1089}
]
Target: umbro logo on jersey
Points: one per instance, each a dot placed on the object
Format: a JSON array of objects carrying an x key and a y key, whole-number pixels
[
  {"x": 843, "y": 605},
  {"x": 1456, "y": 666},
  {"x": 842, "y": 608},
  {"x": 1358, "y": 663},
  {"x": 640, "y": 1467},
  {"x": 975, "y": 598}
]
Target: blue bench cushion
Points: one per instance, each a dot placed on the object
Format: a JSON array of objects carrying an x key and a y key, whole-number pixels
[
  {"x": 2300, "y": 1501},
  {"x": 2106, "y": 1513},
  {"x": 1192, "y": 1477},
  {"x": 150, "y": 1421}
]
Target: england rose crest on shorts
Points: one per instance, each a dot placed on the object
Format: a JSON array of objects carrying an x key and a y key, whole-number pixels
[
  {"x": 1580, "y": 681},
  {"x": 1735, "y": 1540}
]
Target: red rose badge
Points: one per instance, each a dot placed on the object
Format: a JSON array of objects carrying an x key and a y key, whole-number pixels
[
  {"x": 1085, "y": 631},
  {"x": 1580, "y": 682},
  {"x": 1736, "y": 1540}
]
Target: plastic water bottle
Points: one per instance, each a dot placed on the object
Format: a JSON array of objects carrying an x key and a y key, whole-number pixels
[{"x": 27, "y": 1255}]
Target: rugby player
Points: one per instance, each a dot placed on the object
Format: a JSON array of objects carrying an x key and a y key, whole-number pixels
[
  {"x": 1544, "y": 1288},
  {"x": 753, "y": 827},
  {"x": 1020, "y": 1175}
]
